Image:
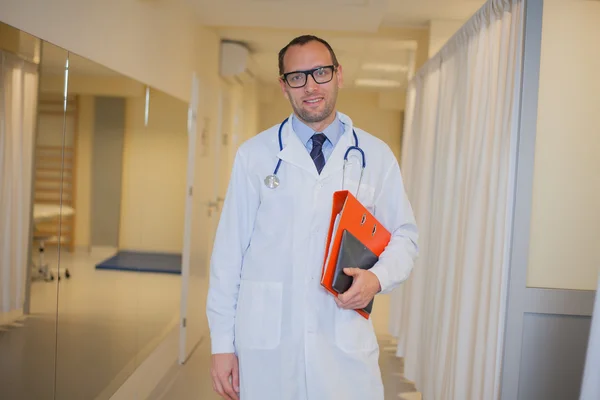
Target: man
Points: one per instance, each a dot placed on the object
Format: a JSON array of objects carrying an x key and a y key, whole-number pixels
[{"x": 276, "y": 333}]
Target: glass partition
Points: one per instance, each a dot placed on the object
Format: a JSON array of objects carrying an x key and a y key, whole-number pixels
[
  {"x": 156, "y": 169},
  {"x": 31, "y": 155},
  {"x": 98, "y": 310},
  {"x": 100, "y": 185},
  {"x": 96, "y": 189}
]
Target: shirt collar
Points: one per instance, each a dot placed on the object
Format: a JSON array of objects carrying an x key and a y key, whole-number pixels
[{"x": 333, "y": 132}]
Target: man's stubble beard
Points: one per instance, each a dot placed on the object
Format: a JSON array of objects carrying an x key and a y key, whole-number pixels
[{"x": 311, "y": 118}]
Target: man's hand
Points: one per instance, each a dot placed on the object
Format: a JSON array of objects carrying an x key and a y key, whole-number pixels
[
  {"x": 365, "y": 286},
  {"x": 225, "y": 375}
]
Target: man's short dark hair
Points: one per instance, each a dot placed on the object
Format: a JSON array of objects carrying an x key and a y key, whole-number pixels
[{"x": 301, "y": 41}]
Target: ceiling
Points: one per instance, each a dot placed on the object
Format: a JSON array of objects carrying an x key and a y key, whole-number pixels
[
  {"x": 360, "y": 15},
  {"x": 335, "y": 15},
  {"x": 361, "y": 57},
  {"x": 420, "y": 12},
  {"x": 350, "y": 26}
]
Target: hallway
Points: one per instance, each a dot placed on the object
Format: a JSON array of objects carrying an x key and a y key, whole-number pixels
[
  {"x": 128, "y": 140},
  {"x": 192, "y": 380}
]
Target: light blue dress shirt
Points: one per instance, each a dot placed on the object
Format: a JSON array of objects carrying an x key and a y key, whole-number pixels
[{"x": 333, "y": 133}]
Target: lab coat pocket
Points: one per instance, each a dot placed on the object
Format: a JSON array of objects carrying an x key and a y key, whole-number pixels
[
  {"x": 353, "y": 333},
  {"x": 366, "y": 194},
  {"x": 258, "y": 315}
]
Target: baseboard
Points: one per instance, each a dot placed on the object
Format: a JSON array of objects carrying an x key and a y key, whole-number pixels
[
  {"x": 10, "y": 317},
  {"x": 411, "y": 396},
  {"x": 162, "y": 388},
  {"x": 103, "y": 249}
]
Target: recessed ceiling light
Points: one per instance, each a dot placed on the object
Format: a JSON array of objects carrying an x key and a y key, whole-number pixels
[
  {"x": 378, "y": 82},
  {"x": 385, "y": 67}
]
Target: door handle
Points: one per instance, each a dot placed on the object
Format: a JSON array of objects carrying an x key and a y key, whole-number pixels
[{"x": 212, "y": 205}]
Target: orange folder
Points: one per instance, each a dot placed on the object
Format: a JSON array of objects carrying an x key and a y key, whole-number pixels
[{"x": 351, "y": 220}]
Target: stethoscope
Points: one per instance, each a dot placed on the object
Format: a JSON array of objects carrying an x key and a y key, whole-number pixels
[{"x": 272, "y": 181}]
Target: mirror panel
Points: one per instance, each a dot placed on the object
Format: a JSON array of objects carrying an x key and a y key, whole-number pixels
[
  {"x": 109, "y": 175},
  {"x": 156, "y": 167},
  {"x": 30, "y": 192},
  {"x": 98, "y": 304}
]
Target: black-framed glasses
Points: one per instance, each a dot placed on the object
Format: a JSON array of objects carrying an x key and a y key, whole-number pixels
[{"x": 298, "y": 79}]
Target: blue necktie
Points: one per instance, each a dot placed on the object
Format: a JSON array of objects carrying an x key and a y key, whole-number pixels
[{"x": 317, "y": 151}]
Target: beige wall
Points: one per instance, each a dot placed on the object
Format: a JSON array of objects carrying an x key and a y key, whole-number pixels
[
  {"x": 155, "y": 163},
  {"x": 86, "y": 87},
  {"x": 440, "y": 31},
  {"x": 565, "y": 231},
  {"x": 154, "y": 169},
  {"x": 251, "y": 109},
  {"x": 364, "y": 107},
  {"x": 85, "y": 137},
  {"x": 154, "y": 173},
  {"x": 155, "y": 157}
]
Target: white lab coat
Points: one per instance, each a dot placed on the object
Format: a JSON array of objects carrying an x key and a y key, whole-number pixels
[{"x": 265, "y": 301}]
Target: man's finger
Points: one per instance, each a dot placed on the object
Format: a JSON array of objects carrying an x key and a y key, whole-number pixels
[
  {"x": 220, "y": 382},
  {"x": 219, "y": 388},
  {"x": 352, "y": 306},
  {"x": 348, "y": 304},
  {"x": 357, "y": 306},
  {"x": 352, "y": 271},
  {"x": 230, "y": 394},
  {"x": 351, "y": 293},
  {"x": 236, "y": 377}
]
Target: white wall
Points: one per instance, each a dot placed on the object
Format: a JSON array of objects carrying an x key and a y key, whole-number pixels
[
  {"x": 565, "y": 231},
  {"x": 154, "y": 42}
]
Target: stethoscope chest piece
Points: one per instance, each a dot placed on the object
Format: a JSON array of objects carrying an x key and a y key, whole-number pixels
[{"x": 272, "y": 181}]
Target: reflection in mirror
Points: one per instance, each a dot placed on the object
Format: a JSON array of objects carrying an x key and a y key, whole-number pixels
[
  {"x": 30, "y": 156},
  {"x": 103, "y": 186},
  {"x": 128, "y": 189},
  {"x": 155, "y": 164},
  {"x": 98, "y": 305}
]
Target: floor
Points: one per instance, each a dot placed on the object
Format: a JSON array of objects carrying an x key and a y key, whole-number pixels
[
  {"x": 107, "y": 323},
  {"x": 192, "y": 380}
]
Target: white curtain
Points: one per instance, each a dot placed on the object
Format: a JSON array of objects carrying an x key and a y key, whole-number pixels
[
  {"x": 458, "y": 162},
  {"x": 18, "y": 100}
]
